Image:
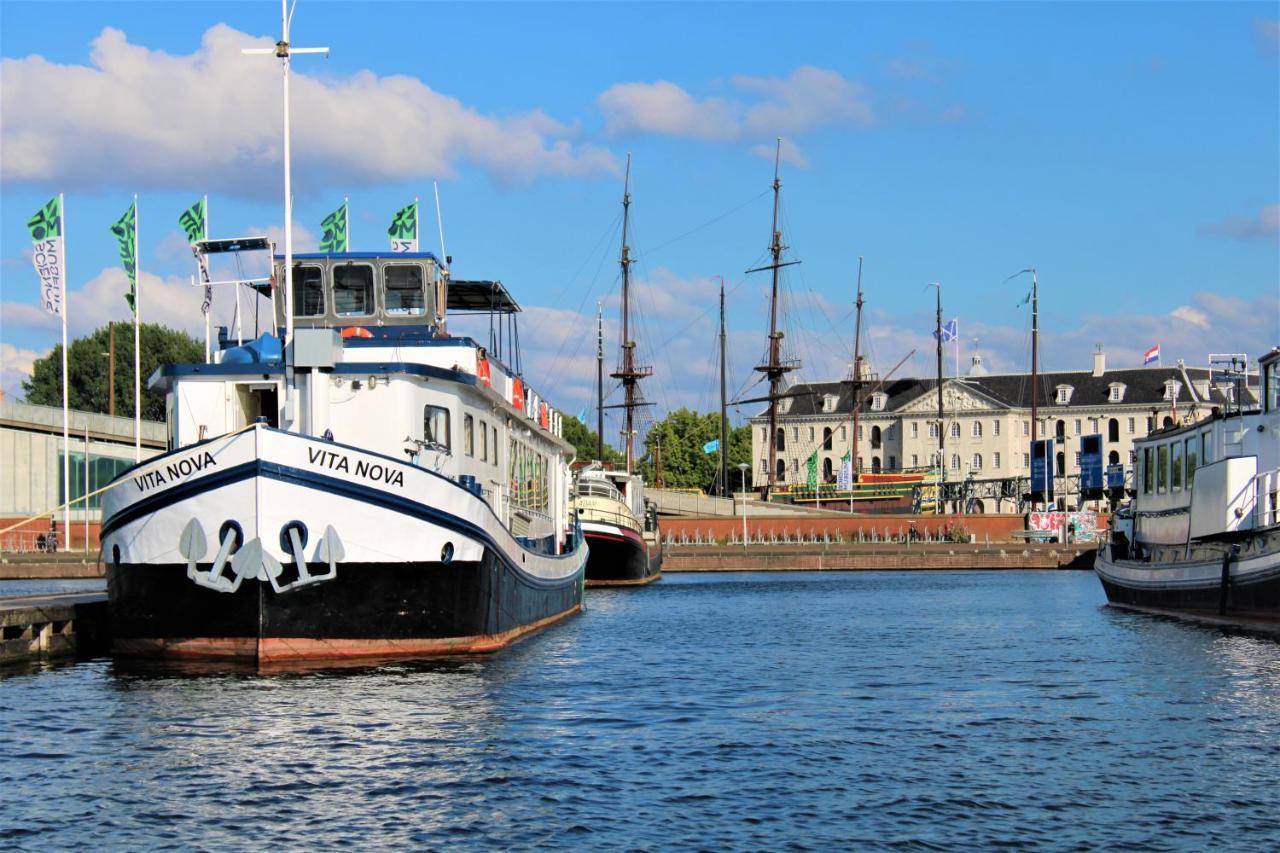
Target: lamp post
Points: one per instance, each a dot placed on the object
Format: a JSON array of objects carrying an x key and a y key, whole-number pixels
[{"x": 743, "y": 466}]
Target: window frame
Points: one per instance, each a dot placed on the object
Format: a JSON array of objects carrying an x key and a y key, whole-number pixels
[
  {"x": 338, "y": 269},
  {"x": 387, "y": 268}
]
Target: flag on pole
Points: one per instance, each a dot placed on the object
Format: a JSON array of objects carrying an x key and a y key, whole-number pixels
[
  {"x": 844, "y": 480},
  {"x": 335, "y": 230},
  {"x": 950, "y": 330},
  {"x": 582, "y": 416},
  {"x": 711, "y": 446},
  {"x": 404, "y": 229},
  {"x": 47, "y": 254},
  {"x": 192, "y": 222},
  {"x": 1151, "y": 355},
  {"x": 812, "y": 467},
  {"x": 1025, "y": 300},
  {"x": 125, "y": 231}
]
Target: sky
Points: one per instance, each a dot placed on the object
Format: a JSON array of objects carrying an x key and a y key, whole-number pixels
[{"x": 1130, "y": 152}]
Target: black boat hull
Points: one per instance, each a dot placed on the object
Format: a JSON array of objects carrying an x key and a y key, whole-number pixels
[{"x": 622, "y": 559}]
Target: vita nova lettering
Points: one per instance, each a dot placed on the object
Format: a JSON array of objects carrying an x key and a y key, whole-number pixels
[
  {"x": 375, "y": 471},
  {"x": 175, "y": 470}
]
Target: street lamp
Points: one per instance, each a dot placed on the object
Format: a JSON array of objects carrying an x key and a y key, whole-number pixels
[{"x": 743, "y": 466}]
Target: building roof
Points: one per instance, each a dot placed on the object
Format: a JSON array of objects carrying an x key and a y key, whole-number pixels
[{"x": 1144, "y": 386}]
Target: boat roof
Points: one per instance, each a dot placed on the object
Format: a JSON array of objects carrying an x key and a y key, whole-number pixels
[
  {"x": 361, "y": 256},
  {"x": 480, "y": 297}
]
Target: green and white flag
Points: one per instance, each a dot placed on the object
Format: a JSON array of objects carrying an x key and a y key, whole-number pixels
[
  {"x": 812, "y": 466},
  {"x": 47, "y": 254},
  {"x": 126, "y": 234},
  {"x": 404, "y": 229},
  {"x": 192, "y": 222},
  {"x": 335, "y": 231}
]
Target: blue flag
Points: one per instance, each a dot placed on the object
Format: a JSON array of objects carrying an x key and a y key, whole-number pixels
[
  {"x": 711, "y": 446},
  {"x": 950, "y": 330},
  {"x": 582, "y": 416}
]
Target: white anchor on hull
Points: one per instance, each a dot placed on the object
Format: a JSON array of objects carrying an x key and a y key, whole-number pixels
[{"x": 251, "y": 561}]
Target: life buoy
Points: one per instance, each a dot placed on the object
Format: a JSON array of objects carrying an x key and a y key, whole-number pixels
[
  {"x": 482, "y": 370},
  {"x": 356, "y": 332}
]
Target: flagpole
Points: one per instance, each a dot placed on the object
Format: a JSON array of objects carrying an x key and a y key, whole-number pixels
[
  {"x": 417, "y": 215},
  {"x": 66, "y": 429},
  {"x": 137, "y": 340},
  {"x": 208, "y": 315}
]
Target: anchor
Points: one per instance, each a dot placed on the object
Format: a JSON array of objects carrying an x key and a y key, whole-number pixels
[
  {"x": 193, "y": 544},
  {"x": 329, "y": 551}
]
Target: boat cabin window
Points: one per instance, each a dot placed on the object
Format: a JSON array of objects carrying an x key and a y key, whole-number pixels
[
  {"x": 1148, "y": 471},
  {"x": 404, "y": 294},
  {"x": 435, "y": 426},
  {"x": 353, "y": 290},
  {"x": 308, "y": 291},
  {"x": 1162, "y": 468},
  {"x": 1271, "y": 387},
  {"x": 484, "y": 441},
  {"x": 1191, "y": 462},
  {"x": 1175, "y": 473},
  {"x": 468, "y": 435}
]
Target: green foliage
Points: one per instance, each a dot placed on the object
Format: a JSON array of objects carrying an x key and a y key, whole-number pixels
[
  {"x": 586, "y": 441},
  {"x": 685, "y": 465},
  {"x": 87, "y": 367}
]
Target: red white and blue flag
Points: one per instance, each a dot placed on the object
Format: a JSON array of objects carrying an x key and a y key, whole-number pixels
[{"x": 1151, "y": 356}]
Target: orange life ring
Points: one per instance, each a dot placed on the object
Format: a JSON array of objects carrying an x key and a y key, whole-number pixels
[
  {"x": 482, "y": 370},
  {"x": 356, "y": 332}
]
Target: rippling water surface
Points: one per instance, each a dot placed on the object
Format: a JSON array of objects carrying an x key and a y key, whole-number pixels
[{"x": 720, "y": 711}]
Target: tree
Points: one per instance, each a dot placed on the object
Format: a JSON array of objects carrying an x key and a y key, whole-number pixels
[
  {"x": 685, "y": 465},
  {"x": 586, "y": 441},
  {"x": 87, "y": 367}
]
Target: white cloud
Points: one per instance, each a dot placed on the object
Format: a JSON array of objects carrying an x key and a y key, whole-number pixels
[
  {"x": 144, "y": 118},
  {"x": 1187, "y": 314},
  {"x": 16, "y": 365},
  {"x": 790, "y": 153},
  {"x": 807, "y": 99},
  {"x": 1268, "y": 35},
  {"x": 1264, "y": 226}
]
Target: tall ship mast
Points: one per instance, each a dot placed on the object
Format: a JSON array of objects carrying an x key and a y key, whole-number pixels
[
  {"x": 775, "y": 366},
  {"x": 620, "y": 527},
  {"x": 628, "y": 373}
]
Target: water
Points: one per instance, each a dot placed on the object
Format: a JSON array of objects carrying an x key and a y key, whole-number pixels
[
  {"x": 10, "y": 588},
  {"x": 722, "y": 711}
]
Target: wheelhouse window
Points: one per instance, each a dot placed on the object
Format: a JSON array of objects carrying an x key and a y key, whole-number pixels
[
  {"x": 403, "y": 293},
  {"x": 484, "y": 441},
  {"x": 1162, "y": 468},
  {"x": 1148, "y": 471},
  {"x": 308, "y": 291},
  {"x": 353, "y": 290},
  {"x": 468, "y": 435},
  {"x": 1175, "y": 474},
  {"x": 1191, "y": 461},
  {"x": 435, "y": 426}
]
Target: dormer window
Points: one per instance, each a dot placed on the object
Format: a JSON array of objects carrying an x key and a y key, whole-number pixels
[
  {"x": 878, "y": 401},
  {"x": 1116, "y": 392},
  {"x": 829, "y": 402},
  {"x": 1064, "y": 394},
  {"x": 784, "y": 405},
  {"x": 1172, "y": 388}
]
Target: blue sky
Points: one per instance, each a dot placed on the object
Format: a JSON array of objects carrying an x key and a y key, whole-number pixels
[{"x": 1130, "y": 152}]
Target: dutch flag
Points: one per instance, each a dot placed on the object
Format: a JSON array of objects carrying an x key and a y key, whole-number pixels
[{"x": 1151, "y": 356}]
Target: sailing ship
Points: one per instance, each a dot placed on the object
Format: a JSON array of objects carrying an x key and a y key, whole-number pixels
[
  {"x": 1201, "y": 535},
  {"x": 619, "y": 525},
  {"x": 363, "y": 485}
]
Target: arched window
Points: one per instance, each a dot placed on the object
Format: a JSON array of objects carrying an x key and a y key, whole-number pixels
[
  {"x": 1168, "y": 421},
  {"x": 1062, "y": 461},
  {"x": 1062, "y": 429},
  {"x": 875, "y": 464},
  {"x": 780, "y": 442},
  {"x": 955, "y": 429},
  {"x": 826, "y": 469},
  {"x": 955, "y": 461},
  {"x": 826, "y": 438},
  {"x": 977, "y": 429},
  {"x": 1113, "y": 429},
  {"x": 1113, "y": 458},
  {"x": 875, "y": 437},
  {"x": 977, "y": 462},
  {"x": 782, "y": 471}
]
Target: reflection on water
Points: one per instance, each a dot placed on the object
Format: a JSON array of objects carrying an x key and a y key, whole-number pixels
[{"x": 850, "y": 710}]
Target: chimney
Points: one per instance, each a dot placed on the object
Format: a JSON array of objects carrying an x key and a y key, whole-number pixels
[{"x": 1099, "y": 361}]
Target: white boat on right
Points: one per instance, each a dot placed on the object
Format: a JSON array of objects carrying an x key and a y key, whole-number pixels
[{"x": 1200, "y": 536}]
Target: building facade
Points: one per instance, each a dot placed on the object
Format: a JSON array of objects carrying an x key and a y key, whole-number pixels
[{"x": 986, "y": 423}]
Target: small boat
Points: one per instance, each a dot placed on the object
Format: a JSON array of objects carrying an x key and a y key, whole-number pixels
[
  {"x": 620, "y": 527},
  {"x": 1201, "y": 536}
]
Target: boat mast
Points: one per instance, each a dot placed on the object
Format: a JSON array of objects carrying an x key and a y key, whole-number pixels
[
  {"x": 774, "y": 368},
  {"x": 1035, "y": 340},
  {"x": 942, "y": 427},
  {"x": 724, "y": 420},
  {"x": 629, "y": 373},
  {"x": 600, "y": 382},
  {"x": 855, "y": 396}
]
